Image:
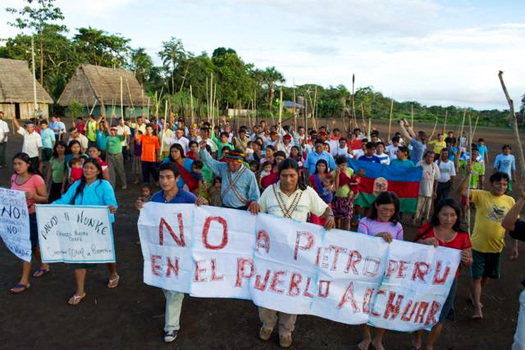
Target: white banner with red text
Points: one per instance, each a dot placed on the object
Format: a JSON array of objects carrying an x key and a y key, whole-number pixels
[{"x": 295, "y": 267}]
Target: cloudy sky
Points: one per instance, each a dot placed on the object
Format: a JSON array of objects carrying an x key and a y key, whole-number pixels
[{"x": 435, "y": 52}]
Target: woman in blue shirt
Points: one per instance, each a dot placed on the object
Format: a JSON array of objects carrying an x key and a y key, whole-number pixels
[
  {"x": 178, "y": 158},
  {"x": 91, "y": 189}
]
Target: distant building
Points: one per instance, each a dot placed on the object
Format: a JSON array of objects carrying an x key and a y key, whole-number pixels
[
  {"x": 95, "y": 86},
  {"x": 16, "y": 91}
]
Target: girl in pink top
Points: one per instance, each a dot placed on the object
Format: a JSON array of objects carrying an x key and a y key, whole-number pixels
[
  {"x": 383, "y": 222},
  {"x": 27, "y": 179}
]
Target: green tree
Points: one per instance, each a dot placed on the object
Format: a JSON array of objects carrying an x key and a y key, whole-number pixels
[
  {"x": 172, "y": 55},
  {"x": 101, "y": 48},
  {"x": 272, "y": 76},
  {"x": 35, "y": 16},
  {"x": 232, "y": 75},
  {"x": 141, "y": 64}
]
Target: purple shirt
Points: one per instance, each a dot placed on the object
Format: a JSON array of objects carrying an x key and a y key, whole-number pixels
[{"x": 372, "y": 227}]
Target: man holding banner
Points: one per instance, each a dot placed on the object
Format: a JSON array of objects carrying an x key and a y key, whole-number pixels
[
  {"x": 170, "y": 193},
  {"x": 290, "y": 199}
]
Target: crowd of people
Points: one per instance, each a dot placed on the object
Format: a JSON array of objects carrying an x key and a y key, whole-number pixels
[{"x": 284, "y": 170}]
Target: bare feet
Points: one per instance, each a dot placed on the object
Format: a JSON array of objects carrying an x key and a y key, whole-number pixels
[
  {"x": 377, "y": 345},
  {"x": 364, "y": 344}
]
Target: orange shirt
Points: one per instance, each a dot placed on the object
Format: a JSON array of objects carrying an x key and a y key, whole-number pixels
[{"x": 150, "y": 144}]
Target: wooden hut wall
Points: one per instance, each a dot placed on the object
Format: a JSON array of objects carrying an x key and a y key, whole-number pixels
[{"x": 25, "y": 110}]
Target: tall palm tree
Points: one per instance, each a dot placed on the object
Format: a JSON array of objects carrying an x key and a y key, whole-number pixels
[
  {"x": 272, "y": 76},
  {"x": 172, "y": 54}
]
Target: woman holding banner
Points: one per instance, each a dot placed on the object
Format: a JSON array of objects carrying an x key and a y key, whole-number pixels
[
  {"x": 383, "y": 222},
  {"x": 91, "y": 189},
  {"x": 27, "y": 179},
  {"x": 444, "y": 230},
  {"x": 289, "y": 198}
]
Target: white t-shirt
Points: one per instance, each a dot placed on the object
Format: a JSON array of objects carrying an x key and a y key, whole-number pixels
[
  {"x": 32, "y": 142},
  {"x": 4, "y": 130},
  {"x": 341, "y": 152},
  {"x": 358, "y": 153},
  {"x": 310, "y": 202},
  {"x": 120, "y": 131},
  {"x": 430, "y": 174},
  {"x": 391, "y": 150},
  {"x": 334, "y": 145},
  {"x": 84, "y": 142},
  {"x": 384, "y": 158},
  {"x": 446, "y": 170}
]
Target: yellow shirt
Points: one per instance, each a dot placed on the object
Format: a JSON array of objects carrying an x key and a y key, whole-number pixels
[
  {"x": 488, "y": 235},
  {"x": 438, "y": 146}
]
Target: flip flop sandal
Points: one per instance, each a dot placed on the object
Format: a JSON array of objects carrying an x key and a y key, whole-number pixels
[
  {"x": 40, "y": 272},
  {"x": 76, "y": 299},
  {"x": 20, "y": 288},
  {"x": 113, "y": 282}
]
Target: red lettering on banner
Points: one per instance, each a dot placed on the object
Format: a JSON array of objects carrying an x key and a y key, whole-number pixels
[
  {"x": 318, "y": 256},
  {"x": 206, "y": 230},
  {"x": 431, "y": 317},
  {"x": 324, "y": 288},
  {"x": 391, "y": 267},
  {"x": 172, "y": 267},
  {"x": 405, "y": 316},
  {"x": 336, "y": 255},
  {"x": 155, "y": 268},
  {"x": 214, "y": 276},
  {"x": 371, "y": 271},
  {"x": 367, "y": 300},
  {"x": 276, "y": 282},
  {"x": 308, "y": 245},
  {"x": 421, "y": 269},
  {"x": 403, "y": 267},
  {"x": 294, "y": 284},
  {"x": 262, "y": 241},
  {"x": 374, "y": 313},
  {"x": 421, "y": 311},
  {"x": 392, "y": 308},
  {"x": 164, "y": 224},
  {"x": 262, "y": 286},
  {"x": 241, "y": 270},
  {"x": 354, "y": 257},
  {"x": 442, "y": 279},
  {"x": 199, "y": 270},
  {"x": 348, "y": 296},
  {"x": 306, "y": 292}
]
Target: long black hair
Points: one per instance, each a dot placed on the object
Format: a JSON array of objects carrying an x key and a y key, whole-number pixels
[
  {"x": 386, "y": 198},
  {"x": 82, "y": 184},
  {"x": 71, "y": 143},
  {"x": 25, "y": 158},
  {"x": 321, "y": 161},
  {"x": 290, "y": 163},
  {"x": 60, "y": 143},
  {"x": 447, "y": 202},
  {"x": 181, "y": 151}
]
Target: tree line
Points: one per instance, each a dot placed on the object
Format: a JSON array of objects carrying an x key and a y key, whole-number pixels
[{"x": 234, "y": 82}]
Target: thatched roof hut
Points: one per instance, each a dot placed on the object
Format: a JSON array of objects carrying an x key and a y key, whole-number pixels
[
  {"x": 16, "y": 91},
  {"x": 94, "y": 86}
]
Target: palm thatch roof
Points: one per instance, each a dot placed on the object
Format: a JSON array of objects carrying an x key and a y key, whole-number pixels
[
  {"x": 16, "y": 83},
  {"x": 102, "y": 85}
]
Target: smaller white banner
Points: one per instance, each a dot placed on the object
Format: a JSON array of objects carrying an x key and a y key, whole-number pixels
[
  {"x": 14, "y": 223},
  {"x": 75, "y": 234}
]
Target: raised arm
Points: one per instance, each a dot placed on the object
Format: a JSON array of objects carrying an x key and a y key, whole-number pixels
[
  {"x": 509, "y": 221},
  {"x": 207, "y": 159}
]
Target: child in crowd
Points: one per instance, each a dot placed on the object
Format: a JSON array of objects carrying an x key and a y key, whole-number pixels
[
  {"x": 266, "y": 170},
  {"x": 343, "y": 203},
  {"x": 328, "y": 189},
  {"x": 196, "y": 172},
  {"x": 146, "y": 191},
  {"x": 254, "y": 166},
  {"x": 215, "y": 193},
  {"x": 75, "y": 171}
]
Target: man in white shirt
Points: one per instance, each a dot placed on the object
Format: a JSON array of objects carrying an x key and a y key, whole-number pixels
[
  {"x": 380, "y": 153},
  {"x": 391, "y": 149},
  {"x": 58, "y": 127},
  {"x": 180, "y": 139},
  {"x": 32, "y": 145},
  {"x": 447, "y": 171},
  {"x": 427, "y": 186},
  {"x": 285, "y": 145},
  {"x": 74, "y": 134},
  {"x": 4, "y": 132}
]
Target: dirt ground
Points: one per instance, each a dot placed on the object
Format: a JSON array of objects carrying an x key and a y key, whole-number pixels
[{"x": 132, "y": 315}]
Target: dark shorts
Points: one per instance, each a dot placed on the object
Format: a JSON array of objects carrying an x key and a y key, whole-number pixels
[
  {"x": 342, "y": 208},
  {"x": 33, "y": 230},
  {"x": 485, "y": 265},
  {"x": 47, "y": 153},
  {"x": 447, "y": 312}
]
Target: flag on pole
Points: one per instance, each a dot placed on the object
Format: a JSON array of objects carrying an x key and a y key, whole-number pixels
[{"x": 378, "y": 178}]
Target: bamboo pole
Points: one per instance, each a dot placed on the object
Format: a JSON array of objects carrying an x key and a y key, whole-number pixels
[
  {"x": 412, "y": 116},
  {"x": 475, "y": 127},
  {"x": 121, "y": 100},
  {"x": 34, "y": 74},
  {"x": 369, "y": 128},
  {"x": 363, "y": 116},
  {"x": 280, "y": 107},
  {"x": 390, "y": 118},
  {"x": 315, "y": 108},
  {"x": 445, "y": 122},
  {"x": 306, "y": 115},
  {"x": 294, "y": 107},
  {"x": 354, "y": 117},
  {"x": 469, "y": 175},
  {"x": 516, "y": 130},
  {"x": 131, "y": 101},
  {"x": 191, "y": 106},
  {"x": 461, "y": 132},
  {"x": 434, "y": 130}
]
